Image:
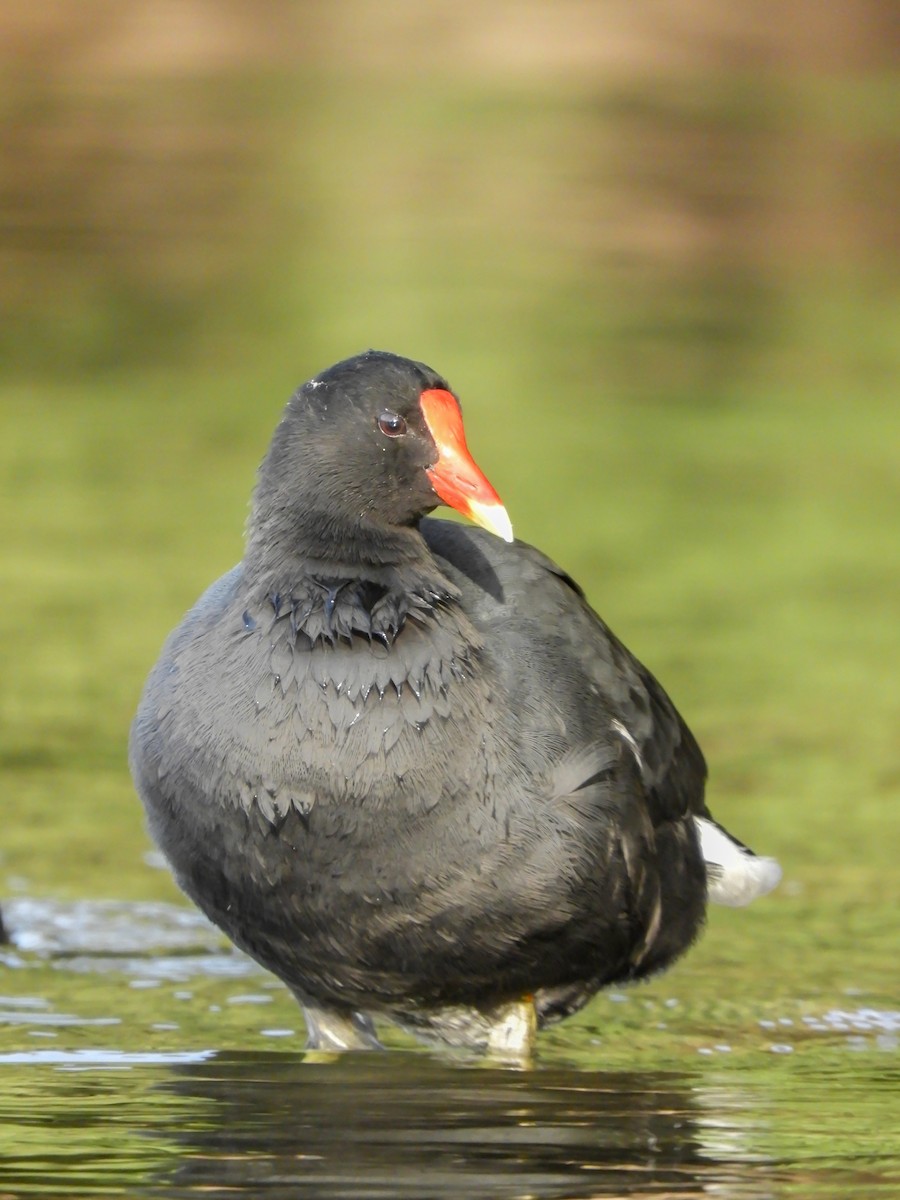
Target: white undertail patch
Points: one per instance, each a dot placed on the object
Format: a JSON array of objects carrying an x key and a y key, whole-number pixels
[{"x": 735, "y": 875}]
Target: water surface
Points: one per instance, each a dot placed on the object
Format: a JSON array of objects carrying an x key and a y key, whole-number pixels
[{"x": 140, "y": 1054}]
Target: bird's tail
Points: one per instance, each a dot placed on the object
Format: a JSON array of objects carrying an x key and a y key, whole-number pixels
[{"x": 735, "y": 875}]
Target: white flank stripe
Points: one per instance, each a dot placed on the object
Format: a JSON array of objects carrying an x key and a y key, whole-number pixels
[{"x": 629, "y": 741}]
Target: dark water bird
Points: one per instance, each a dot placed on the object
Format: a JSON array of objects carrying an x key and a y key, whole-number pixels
[{"x": 402, "y": 763}]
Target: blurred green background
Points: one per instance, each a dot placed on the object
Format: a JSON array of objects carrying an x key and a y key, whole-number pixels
[{"x": 653, "y": 247}]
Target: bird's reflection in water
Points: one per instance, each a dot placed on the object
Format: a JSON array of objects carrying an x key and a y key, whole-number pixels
[{"x": 402, "y": 1125}]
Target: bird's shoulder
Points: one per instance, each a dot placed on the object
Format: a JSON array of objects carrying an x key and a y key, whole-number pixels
[
  {"x": 563, "y": 665},
  {"x": 492, "y": 572}
]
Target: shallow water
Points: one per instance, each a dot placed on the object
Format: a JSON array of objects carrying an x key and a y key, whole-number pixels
[
  {"x": 141, "y": 1055},
  {"x": 655, "y": 259}
]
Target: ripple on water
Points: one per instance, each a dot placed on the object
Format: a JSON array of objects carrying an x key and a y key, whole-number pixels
[
  {"x": 95, "y": 1059},
  {"x": 149, "y": 945},
  {"x": 150, "y": 942},
  {"x": 107, "y": 927}
]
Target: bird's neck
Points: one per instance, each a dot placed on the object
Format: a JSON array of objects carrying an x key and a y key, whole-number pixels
[
  {"x": 336, "y": 582},
  {"x": 276, "y": 537}
]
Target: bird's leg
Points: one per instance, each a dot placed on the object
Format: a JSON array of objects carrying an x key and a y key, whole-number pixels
[
  {"x": 512, "y": 1033},
  {"x": 329, "y": 1029}
]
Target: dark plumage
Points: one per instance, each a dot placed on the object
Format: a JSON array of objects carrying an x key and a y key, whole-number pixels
[{"x": 401, "y": 762}]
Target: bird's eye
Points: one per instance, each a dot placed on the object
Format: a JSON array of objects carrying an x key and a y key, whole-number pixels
[{"x": 391, "y": 424}]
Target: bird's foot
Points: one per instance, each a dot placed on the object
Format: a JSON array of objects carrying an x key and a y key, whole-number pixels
[
  {"x": 512, "y": 1033},
  {"x": 330, "y": 1030}
]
